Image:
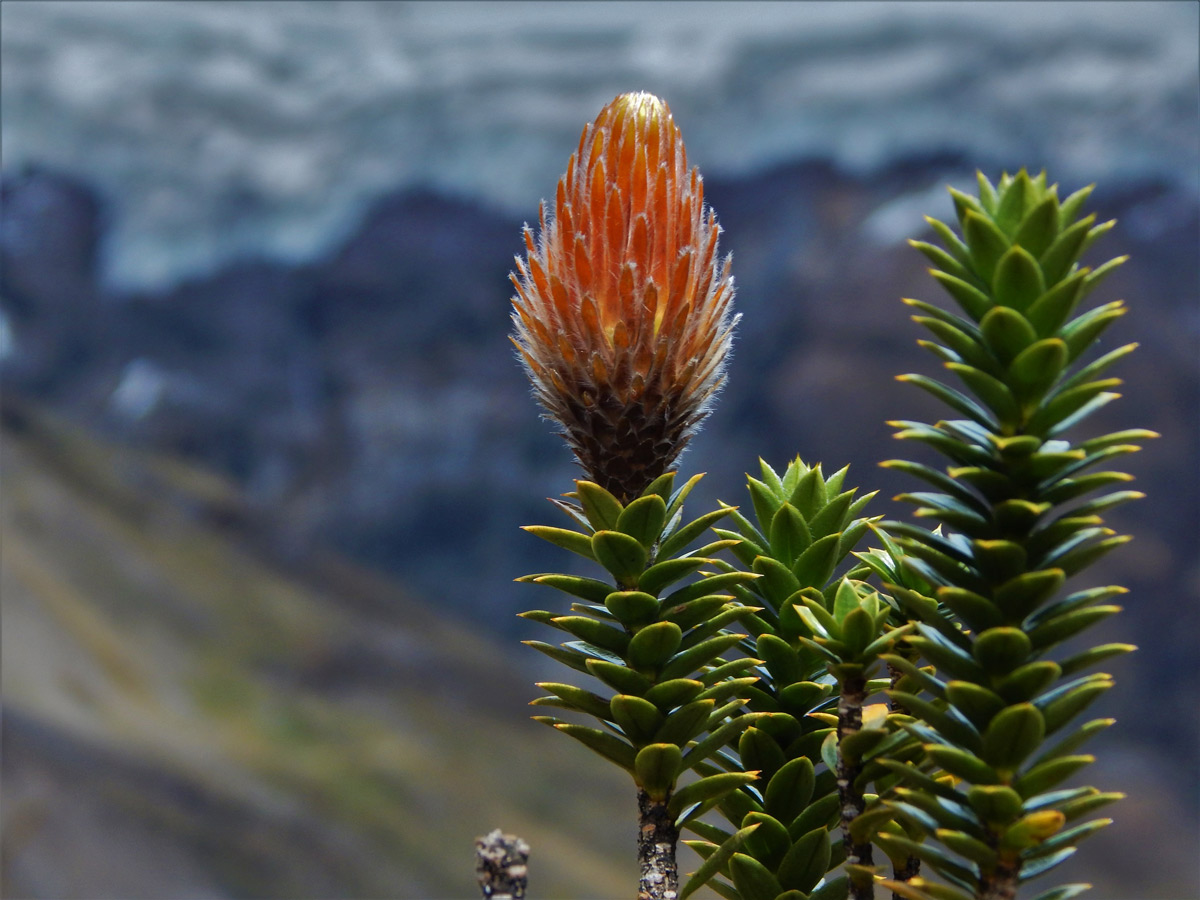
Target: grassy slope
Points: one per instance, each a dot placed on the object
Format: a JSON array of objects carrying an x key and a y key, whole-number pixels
[{"x": 187, "y": 718}]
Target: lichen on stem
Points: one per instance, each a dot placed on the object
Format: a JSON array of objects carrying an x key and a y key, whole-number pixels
[{"x": 656, "y": 843}]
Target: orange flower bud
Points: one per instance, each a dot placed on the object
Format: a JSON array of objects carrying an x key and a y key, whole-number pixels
[{"x": 622, "y": 312}]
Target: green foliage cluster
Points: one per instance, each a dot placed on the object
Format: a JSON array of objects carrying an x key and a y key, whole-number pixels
[
  {"x": 957, "y": 772},
  {"x": 998, "y": 714},
  {"x": 658, "y": 651},
  {"x": 804, "y": 530}
]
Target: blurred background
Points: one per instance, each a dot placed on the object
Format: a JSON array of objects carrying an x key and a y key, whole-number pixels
[{"x": 266, "y": 448}]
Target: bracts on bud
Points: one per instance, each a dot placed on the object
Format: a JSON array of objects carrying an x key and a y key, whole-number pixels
[{"x": 622, "y": 312}]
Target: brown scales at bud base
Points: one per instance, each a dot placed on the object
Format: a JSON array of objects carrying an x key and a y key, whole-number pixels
[{"x": 622, "y": 313}]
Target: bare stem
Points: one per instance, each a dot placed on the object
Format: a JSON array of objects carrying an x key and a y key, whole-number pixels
[
  {"x": 657, "y": 839},
  {"x": 500, "y": 866},
  {"x": 850, "y": 704}
]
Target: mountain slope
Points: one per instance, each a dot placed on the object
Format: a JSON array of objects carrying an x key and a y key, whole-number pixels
[{"x": 187, "y": 718}]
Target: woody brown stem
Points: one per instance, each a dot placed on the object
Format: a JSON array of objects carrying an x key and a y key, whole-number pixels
[
  {"x": 657, "y": 839},
  {"x": 850, "y": 704}
]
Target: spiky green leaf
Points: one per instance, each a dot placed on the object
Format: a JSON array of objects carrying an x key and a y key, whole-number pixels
[
  {"x": 607, "y": 745},
  {"x": 643, "y": 519},
  {"x": 806, "y": 862},
  {"x": 656, "y": 767},
  {"x": 715, "y": 862},
  {"x": 1018, "y": 280},
  {"x": 1014, "y": 733},
  {"x": 708, "y": 788},
  {"x": 753, "y": 880},
  {"x": 623, "y": 556},
  {"x": 632, "y": 608}
]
